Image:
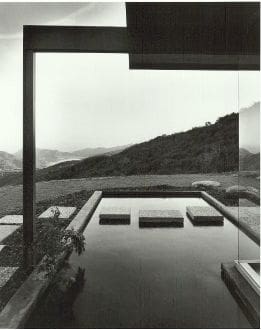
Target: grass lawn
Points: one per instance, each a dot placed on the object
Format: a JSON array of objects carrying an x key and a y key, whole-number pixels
[{"x": 11, "y": 196}]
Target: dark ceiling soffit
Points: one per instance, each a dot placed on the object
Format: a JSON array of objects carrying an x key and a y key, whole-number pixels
[
  {"x": 194, "y": 62},
  {"x": 194, "y": 36}
]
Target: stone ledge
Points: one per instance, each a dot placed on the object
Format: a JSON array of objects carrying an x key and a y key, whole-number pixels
[{"x": 84, "y": 215}]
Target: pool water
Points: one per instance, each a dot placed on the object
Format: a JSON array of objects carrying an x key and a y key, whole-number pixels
[{"x": 157, "y": 277}]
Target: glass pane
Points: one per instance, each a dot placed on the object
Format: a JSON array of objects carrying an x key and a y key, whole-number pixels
[{"x": 249, "y": 166}]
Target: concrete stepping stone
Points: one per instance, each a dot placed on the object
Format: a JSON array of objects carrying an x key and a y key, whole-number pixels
[
  {"x": 6, "y": 230},
  {"x": 114, "y": 215},
  {"x": 65, "y": 212},
  {"x": 204, "y": 215},
  {"x": 12, "y": 220},
  {"x": 5, "y": 274},
  {"x": 159, "y": 218}
]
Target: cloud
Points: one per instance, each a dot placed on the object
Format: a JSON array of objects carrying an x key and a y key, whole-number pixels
[{"x": 14, "y": 16}]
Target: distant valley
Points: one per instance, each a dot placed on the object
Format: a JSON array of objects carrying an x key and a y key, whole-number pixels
[{"x": 46, "y": 157}]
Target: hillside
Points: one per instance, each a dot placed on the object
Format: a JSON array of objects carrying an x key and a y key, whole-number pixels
[
  {"x": 211, "y": 148},
  {"x": 9, "y": 162},
  {"x": 208, "y": 149},
  {"x": 248, "y": 161}
]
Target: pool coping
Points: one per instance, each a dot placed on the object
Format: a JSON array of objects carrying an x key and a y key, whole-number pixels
[
  {"x": 230, "y": 216},
  {"x": 242, "y": 291},
  {"x": 20, "y": 306}
]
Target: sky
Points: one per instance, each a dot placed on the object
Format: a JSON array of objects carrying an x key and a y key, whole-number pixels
[{"x": 94, "y": 100}]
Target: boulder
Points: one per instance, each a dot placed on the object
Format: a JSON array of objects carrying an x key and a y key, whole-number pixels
[
  {"x": 234, "y": 190},
  {"x": 252, "y": 190},
  {"x": 206, "y": 183},
  {"x": 242, "y": 191}
]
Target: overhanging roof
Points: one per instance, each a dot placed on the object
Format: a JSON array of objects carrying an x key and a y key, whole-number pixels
[{"x": 222, "y": 36}]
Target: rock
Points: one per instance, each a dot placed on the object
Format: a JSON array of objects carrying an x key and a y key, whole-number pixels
[
  {"x": 234, "y": 190},
  {"x": 252, "y": 189},
  {"x": 205, "y": 184}
]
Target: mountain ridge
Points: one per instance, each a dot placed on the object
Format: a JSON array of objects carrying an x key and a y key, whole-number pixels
[{"x": 205, "y": 149}]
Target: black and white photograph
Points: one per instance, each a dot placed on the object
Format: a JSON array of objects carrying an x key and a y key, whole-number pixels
[{"x": 129, "y": 165}]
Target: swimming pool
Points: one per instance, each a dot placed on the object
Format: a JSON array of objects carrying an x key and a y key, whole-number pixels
[{"x": 157, "y": 277}]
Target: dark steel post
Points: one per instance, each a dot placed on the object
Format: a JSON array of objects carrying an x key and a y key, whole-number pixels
[{"x": 28, "y": 158}]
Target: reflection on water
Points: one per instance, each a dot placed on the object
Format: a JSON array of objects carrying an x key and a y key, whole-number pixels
[{"x": 156, "y": 277}]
